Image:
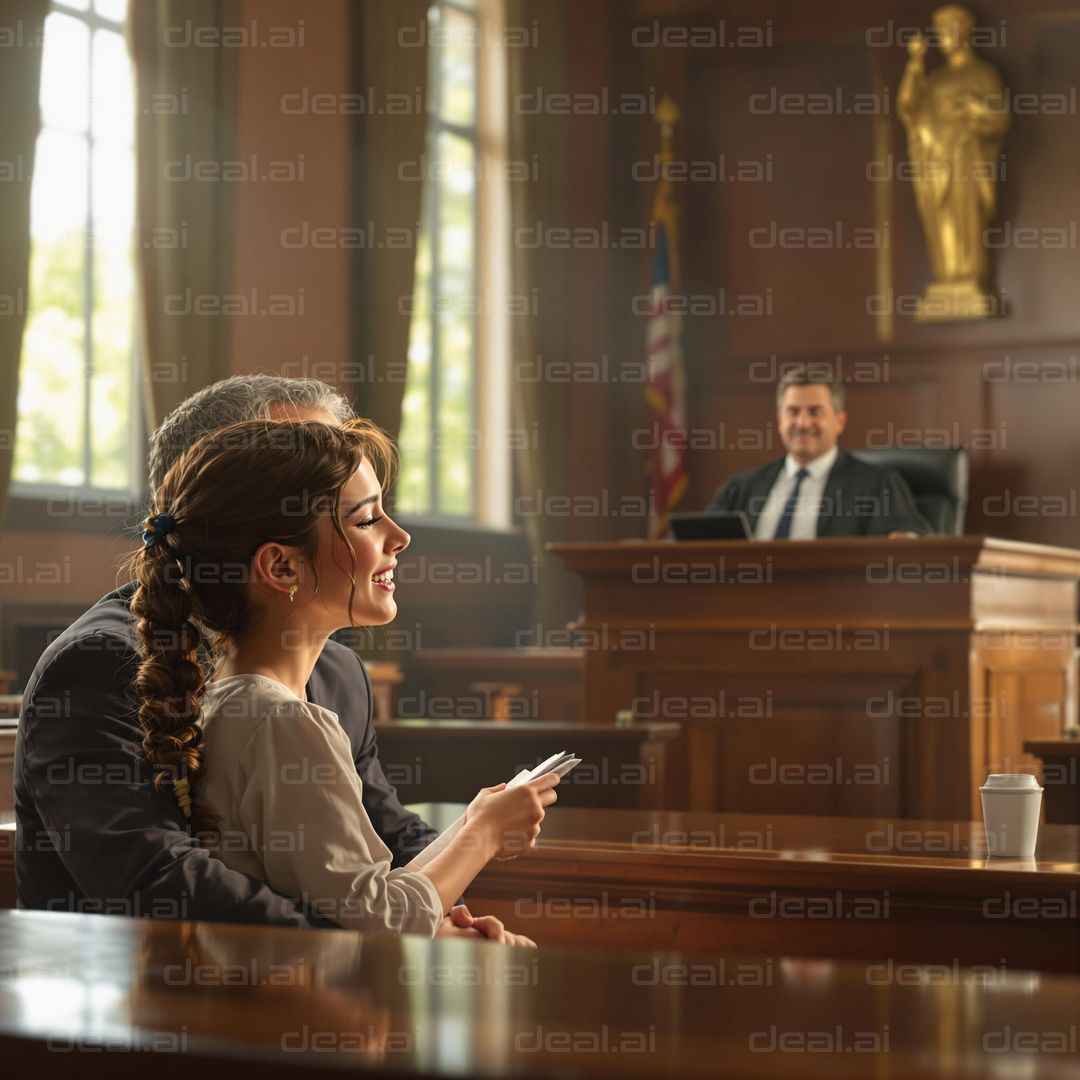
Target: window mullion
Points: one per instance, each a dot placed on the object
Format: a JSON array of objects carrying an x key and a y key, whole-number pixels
[
  {"x": 91, "y": 18},
  {"x": 88, "y": 275},
  {"x": 445, "y": 208},
  {"x": 473, "y": 136},
  {"x": 434, "y": 128},
  {"x": 469, "y": 134},
  {"x": 474, "y": 365}
]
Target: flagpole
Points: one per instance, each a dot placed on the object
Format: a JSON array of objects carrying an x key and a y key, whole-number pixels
[
  {"x": 665, "y": 392},
  {"x": 667, "y": 116}
]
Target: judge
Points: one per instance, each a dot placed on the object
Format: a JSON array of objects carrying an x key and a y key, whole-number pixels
[{"x": 818, "y": 490}]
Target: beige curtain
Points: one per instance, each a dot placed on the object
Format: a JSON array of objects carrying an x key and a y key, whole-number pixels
[
  {"x": 185, "y": 115},
  {"x": 393, "y": 58},
  {"x": 542, "y": 339},
  {"x": 21, "y": 33}
]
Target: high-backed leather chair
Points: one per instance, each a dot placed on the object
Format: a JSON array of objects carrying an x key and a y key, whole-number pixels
[{"x": 938, "y": 479}]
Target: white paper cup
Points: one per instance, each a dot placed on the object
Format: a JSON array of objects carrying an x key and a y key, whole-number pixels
[{"x": 1011, "y": 803}]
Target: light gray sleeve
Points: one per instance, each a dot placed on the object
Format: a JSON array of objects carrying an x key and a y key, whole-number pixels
[{"x": 302, "y": 803}]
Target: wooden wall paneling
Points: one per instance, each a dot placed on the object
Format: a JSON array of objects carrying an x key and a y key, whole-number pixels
[
  {"x": 1035, "y": 495},
  {"x": 800, "y": 233},
  {"x": 456, "y": 586},
  {"x": 591, "y": 406}
]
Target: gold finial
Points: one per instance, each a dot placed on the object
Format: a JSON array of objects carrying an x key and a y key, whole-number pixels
[{"x": 667, "y": 116}]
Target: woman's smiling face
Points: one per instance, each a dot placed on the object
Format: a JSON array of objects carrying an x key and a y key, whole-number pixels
[{"x": 375, "y": 540}]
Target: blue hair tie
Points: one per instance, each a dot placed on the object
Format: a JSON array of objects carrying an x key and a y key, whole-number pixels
[{"x": 156, "y": 528}]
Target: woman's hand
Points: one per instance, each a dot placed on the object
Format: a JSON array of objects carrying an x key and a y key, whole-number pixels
[
  {"x": 917, "y": 47},
  {"x": 461, "y": 922},
  {"x": 511, "y": 817}
]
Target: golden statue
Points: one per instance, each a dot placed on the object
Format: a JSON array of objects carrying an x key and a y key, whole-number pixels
[{"x": 956, "y": 118}]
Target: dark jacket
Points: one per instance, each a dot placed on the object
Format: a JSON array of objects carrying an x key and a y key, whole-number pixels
[
  {"x": 91, "y": 833},
  {"x": 858, "y": 500}
]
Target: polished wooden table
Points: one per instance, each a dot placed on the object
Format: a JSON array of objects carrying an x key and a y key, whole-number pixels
[
  {"x": 858, "y": 676},
  {"x": 811, "y": 887},
  {"x": 450, "y": 760},
  {"x": 265, "y": 1002},
  {"x": 1060, "y": 775}
]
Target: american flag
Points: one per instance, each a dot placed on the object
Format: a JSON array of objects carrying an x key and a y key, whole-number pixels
[{"x": 666, "y": 389}]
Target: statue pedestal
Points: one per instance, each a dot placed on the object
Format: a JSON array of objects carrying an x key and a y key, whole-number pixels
[{"x": 961, "y": 301}]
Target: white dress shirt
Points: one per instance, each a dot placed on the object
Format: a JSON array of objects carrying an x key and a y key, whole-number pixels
[
  {"x": 280, "y": 772},
  {"x": 804, "y": 521}
]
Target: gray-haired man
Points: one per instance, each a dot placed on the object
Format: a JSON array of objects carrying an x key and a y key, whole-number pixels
[{"x": 92, "y": 835}]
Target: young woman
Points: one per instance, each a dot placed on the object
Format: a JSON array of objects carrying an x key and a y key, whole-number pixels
[{"x": 269, "y": 536}]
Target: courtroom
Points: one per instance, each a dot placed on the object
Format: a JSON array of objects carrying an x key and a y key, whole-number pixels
[{"x": 539, "y": 538}]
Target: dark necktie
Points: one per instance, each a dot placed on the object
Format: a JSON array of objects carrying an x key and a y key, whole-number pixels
[{"x": 783, "y": 526}]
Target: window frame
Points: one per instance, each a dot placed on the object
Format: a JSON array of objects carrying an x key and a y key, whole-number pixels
[
  {"x": 489, "y": 402},
  {"x": 436, "y": 126},
  {"x": 94, "y": 509}
]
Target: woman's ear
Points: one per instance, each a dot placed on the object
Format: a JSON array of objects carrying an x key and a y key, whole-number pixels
[{"x": 276, "y": 567}]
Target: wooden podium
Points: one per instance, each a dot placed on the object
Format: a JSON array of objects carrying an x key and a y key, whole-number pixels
[{"x": 855, "y": 677}]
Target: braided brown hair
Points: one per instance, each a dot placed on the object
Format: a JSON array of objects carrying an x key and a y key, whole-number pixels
[{"x": 233, "y": 490}]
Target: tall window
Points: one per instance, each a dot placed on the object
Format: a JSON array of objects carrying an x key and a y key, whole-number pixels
[
  {"x": 454, "y": 442},
  {"x": 77, "y": 408}
]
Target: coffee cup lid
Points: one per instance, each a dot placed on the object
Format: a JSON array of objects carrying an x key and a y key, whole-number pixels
[{"x": 1020, "y": 782}]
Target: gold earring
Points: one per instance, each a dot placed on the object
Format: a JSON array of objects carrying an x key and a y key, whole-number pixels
[{"x": 293, "y": 590}]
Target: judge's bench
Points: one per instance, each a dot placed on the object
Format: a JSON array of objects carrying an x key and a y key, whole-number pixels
[{"x": 857, "y": 677}]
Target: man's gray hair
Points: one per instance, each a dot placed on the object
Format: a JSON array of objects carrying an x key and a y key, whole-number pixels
[
  {"x": 811, "y": 376},
  {"x": 241, "y": 397}
]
